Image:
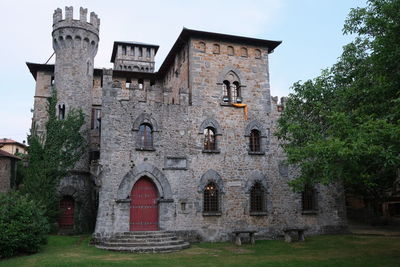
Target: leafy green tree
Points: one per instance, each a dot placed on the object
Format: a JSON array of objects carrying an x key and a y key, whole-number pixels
[
  {"x": 52, "y": 156},
  {"x": 23, "y": 227},
  {"x": 344, "y": 124}
]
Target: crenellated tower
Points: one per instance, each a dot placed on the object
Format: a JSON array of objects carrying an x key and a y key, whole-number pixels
[{"x": 75, "y": 42}]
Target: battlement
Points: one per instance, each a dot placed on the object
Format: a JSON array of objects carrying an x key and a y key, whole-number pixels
[{"x": 68, "y": 20}]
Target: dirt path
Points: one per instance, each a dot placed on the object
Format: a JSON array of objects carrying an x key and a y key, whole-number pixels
[{"x": 364, "y": 229}]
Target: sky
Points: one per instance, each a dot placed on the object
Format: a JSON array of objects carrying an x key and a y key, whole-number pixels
[{"x": 310, "y": 31}]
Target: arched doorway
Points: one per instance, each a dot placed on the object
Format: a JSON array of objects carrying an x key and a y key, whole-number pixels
[
  {"x": 67, "y": 206},
  {"x": 144, "y": 206}
]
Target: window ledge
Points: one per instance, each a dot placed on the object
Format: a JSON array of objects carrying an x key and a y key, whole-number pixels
[
  {"x": 226, "y": 104},
  {"x": 175, "y": 168},
  {"x": 212, "y": 213},
  {"x": 260, "y": 153},
  {"x": 258, "y": 213},
  {"x": 145, "y": 149},
  {"x": 229, "y": 104},
  {"x": 309, "y": 212},
  {"x": 211, "y": 151}
]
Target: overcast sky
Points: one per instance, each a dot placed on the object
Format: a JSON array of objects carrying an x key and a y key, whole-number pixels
[{"x": 311, "y": 31}]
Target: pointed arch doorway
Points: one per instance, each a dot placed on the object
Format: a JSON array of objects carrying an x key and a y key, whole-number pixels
[{"x": 144, "y": 206}]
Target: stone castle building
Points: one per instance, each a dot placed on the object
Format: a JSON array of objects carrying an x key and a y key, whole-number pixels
[{"x": 189, "y": 148}]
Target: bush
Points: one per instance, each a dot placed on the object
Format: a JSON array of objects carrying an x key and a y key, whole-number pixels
[{"x": 23, "y": 226}]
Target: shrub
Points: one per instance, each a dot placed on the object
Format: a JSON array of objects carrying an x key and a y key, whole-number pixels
[{"x": 23, "y": 226}]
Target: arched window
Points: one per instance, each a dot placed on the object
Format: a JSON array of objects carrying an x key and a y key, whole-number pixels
[
  {"x": 231, "y": 51},
  {"x": 231, "y": 88},
  {"x": 226, "y": 91},
  {"x": 309, "y": 199},
  {"x": 255, "y": 141},
  {"x": 257, "y": 198},
  {"x": 145, "y": 136},
  {"x": 257, "y": 53},
  {"x": 216, "y": 49},
  {"x": 209, "y": 139},
  {"x": 231, "y": 92},
  {"x": 202, "y": 47},
  {"x": 258, "y": 138},
  {"x": 211, "y": 198},
  {"x": 244, "y": 52},
  {"x": 235, "y": 92}
]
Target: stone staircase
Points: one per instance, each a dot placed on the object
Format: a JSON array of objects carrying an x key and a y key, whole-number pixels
[{"x": 144, "y": 242}]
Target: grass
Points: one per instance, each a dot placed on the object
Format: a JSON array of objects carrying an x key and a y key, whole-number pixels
[{"x": 327, "y": 250}]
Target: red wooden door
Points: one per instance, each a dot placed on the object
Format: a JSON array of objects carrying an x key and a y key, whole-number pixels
[
  {"x": 144, "y": 206},
  {"x": 66, "y": 220}
]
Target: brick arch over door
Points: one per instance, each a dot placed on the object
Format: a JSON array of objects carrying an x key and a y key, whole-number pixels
[{"x": 150, "y": 171}]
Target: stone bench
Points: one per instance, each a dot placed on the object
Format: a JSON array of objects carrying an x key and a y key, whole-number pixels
[
  {"x": 300, "y": 232},
  {"x": 237, "y": 233}
]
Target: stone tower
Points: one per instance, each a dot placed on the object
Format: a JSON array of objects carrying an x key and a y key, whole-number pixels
[
  {"x": 75, "y": 42},
  {"x": 134, "y": 56}
]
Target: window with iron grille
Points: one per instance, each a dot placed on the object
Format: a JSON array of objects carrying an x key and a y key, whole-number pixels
[
  {"x": 211, "y": 200},
  {"x": 145, "y": 136},
  {"x": 231, "y": 92},
  {"x": 209, "y": 139},
  {"x": 255, "y": 143},
  {"x": 257, "y": 198},
  {"x": 309, "y": 201}
]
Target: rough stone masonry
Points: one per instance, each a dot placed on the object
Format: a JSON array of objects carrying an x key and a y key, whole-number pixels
[{"x": 214, "y": 168}]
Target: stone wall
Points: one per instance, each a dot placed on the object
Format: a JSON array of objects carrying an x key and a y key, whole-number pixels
[
  {"x": 176, "y": 80},
  {"x": 5, "y": 174},
  {"x": 40, "y": 105},
  {"x": 82, "y": 189},
  {"x": 180, "y": 167}
]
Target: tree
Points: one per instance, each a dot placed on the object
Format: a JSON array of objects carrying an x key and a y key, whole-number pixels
[
  {"x": 52, "y": 156},
  {"x": 23, "y": 227},
  {"x": 344, "y": 124}
]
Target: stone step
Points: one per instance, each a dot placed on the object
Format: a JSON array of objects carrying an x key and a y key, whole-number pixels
[
  {"x": 142, "y": 244},
  {"x": 153, "y": 249},
  {"x": 145, "y": 233},
  {"x": 149, "y": 235},
  {"x": 141, "y": 240},
  {"x": 143, "y": 236}
]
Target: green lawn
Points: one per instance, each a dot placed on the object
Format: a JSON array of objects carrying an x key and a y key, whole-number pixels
[{"x": 328, "y": 250}]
